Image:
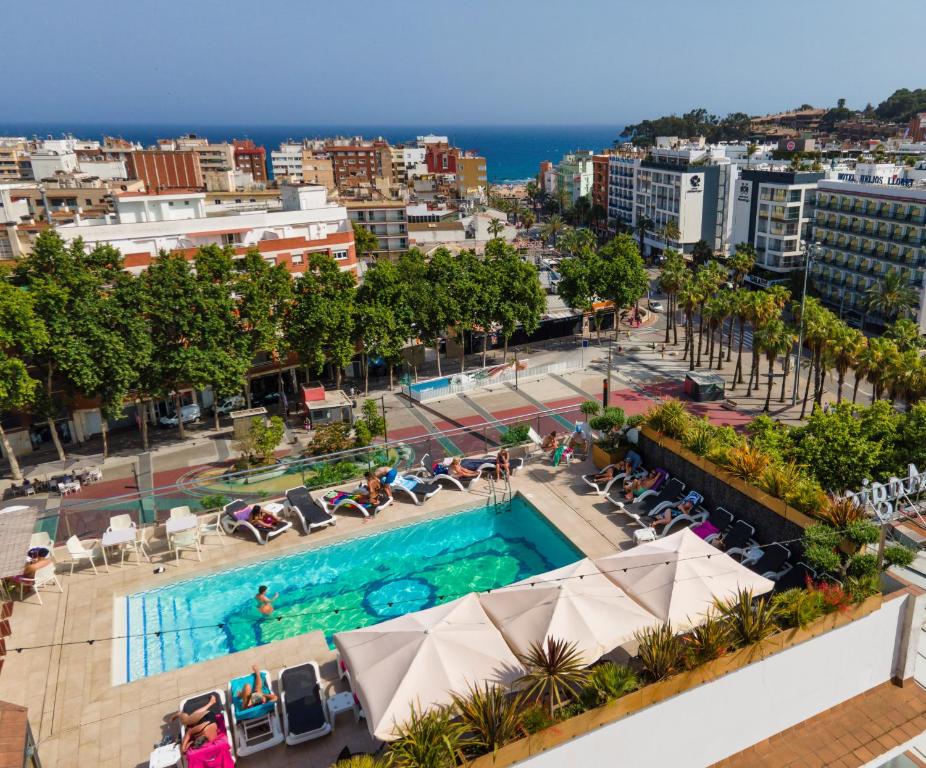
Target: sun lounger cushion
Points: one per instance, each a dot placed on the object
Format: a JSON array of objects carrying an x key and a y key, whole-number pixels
[
  {"x": 214, "y": 755},
  {"x": 414, "y": 485},
  {"x": 251, "y": 712},
  {"x": 305, "y": 711},
  {"x": 244, "y": 514}
]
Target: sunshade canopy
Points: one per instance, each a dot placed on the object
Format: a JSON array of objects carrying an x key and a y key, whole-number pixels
[
  {"x": 678, "y": 577},
  {"x": 421, "y": 658},
  {"x": 576, "y": 603}
]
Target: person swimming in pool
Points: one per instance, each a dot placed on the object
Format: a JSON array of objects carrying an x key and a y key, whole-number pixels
[
  {"x": 264, "y": 603},
  {"x": 254, "y": 696}
]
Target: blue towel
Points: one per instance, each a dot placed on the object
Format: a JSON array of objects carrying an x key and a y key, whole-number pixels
[{"x": 251, "y": 712}]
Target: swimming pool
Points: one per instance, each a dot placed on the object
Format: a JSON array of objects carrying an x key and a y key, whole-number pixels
[{"x": 343, "y": 586}]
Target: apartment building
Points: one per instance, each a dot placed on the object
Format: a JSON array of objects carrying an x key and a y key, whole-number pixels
[
  {"x": 869, "y": 223},
  {"x": 440, "y": 157},
  {"x": 546, "y": 178},
  {"x": 14, "y": 156},
  {"x": 355, "y": 162},
  {"x": 384, "y": 218},
  {"x": 317, "y": 168},
  {"x": 286, "y": 161},
  {"x": 213, "y": 158},
  {"x": 574, "y": 175},
  {"x": 165, "y": 171},
  {"x": 47, "y": 163},
  {"x": 249, "y": 158},
  {"x": 622, "y": 174},
  {"x": 145, "y": 224},
  {"x": 773, "y": 211},
  {"x": 472, "y": 177},
  {"x": 600, "y": 180}
]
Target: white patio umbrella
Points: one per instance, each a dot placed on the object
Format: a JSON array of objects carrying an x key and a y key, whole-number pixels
[
  {"x": 576, "y": 603},
  {"x": 678, "y": 577},
  {"x": 421, "y": 658}
]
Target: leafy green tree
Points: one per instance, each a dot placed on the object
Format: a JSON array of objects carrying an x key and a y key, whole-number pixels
[
  {"x": 176, "y": 311},
  {"x": 834, "y": 447},
  {"x": 365, "y": 241},
  {"x": 320, "y": 322},
  {"x": 384, "y": 319},
  {"x": 67, "y": 288},
  {"x": 580, "y": 284},
  {"x": 264, "y": 294},
  {"x": 520, "y": 299},
  {"x": 623, "y": 279},
  {"x": 22, "y": 332},
  {"x": 226, "y": 348}
]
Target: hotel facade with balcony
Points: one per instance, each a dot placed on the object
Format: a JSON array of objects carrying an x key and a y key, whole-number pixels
[
  {"x": 865, "y": 231},
  {"x": 773, "y": 211}
]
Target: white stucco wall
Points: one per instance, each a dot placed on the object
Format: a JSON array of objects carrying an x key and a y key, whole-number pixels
[{"x": 719, "y": 719}]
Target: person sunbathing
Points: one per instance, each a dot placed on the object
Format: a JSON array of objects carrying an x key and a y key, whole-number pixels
[
  {"x": 550, "y": 442},
  {"x": 684, "y": 508},
  {"x": 605, "y": 476},
  {"x": 640, "y": 486},
  {"x": 460, "y": 472},
  {"x": 37, "y": 559},
  {"x": 263, "y": 519},
  {"x": 255, "y": 695},
  {"x": 376, "y": 494},
  {"x": 200, "y": 724}
]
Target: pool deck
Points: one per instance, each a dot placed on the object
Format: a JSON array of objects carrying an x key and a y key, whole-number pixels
[{"x": 78, "y": 716}]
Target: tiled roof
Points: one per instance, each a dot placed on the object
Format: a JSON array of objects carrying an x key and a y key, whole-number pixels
[
  {"x": 850, "y": 734},
  {"x": 13, "y": 721}
]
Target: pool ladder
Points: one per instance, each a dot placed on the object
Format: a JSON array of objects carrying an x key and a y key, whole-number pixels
[{"x": 492, "y": 499}]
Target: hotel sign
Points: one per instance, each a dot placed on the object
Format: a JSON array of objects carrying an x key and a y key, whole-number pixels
[
  {"x": 882, "y": 498},
  {"x": 891, "y": 181}
]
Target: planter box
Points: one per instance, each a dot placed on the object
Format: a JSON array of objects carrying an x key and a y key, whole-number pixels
[
  {"x": 601, "y": 458},
  {"x": 268, "y": 475},
  {"x": 654, "y": 693}
]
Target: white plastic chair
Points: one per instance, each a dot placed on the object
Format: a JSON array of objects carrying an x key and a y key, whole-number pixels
[
  {"x": 182, "y": 511},
  {"x": 188, "y": 539},
  {"x": 43, "y": 540},
  {"x": 121, "y": 523},
  {"x": 43, "y": 577},
  {"x": 82, "y": 550}
]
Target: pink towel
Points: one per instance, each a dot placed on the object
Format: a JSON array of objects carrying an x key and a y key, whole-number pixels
[
  {"x": 214, "y": 755},
  {"x": 705, "y": 529}
]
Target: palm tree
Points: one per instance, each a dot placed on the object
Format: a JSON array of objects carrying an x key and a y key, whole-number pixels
[
  {"x": 741, "y": 262},
  {"x": 864, "y": 358},
  {"x": 846, "y": 345},
  {"x": 773, "y": 339},
  {"x": 496, "y": 228},
  {"x": 554, "y": 671},
  {"x": 765, "y": 311},
  {"x": 689, "y": 299},
  {"x": 553, "y": 227},
  {"x": 671, "y": 232},
  {"x": 491, "y": 717},
  {"x": 880, "y": 352},
  {"x": 817, "y": 332},
  {"x": 671, "y": 278},
  {"x": 644, "y": 224},
  {"x": 891, "y": 297},
  {"x": 905, "y": 333},
  {"x": 742, "y": 309},
  {"x": 751, "y": 149}
]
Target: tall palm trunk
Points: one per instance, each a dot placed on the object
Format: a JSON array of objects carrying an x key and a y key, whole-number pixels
[
  {"x": 840, "y": 380},
  {"x": 768, "y": 391},
  {"x": 752, "y": 373},
  {"x": 806, "y": 391},
  {"x": 784, "y": 378},
  {"x": 700, "y": 336},
  {"x": 668, "y": 319},
  {"x": 738, "y": 371},
  {"x": 675, "y": 318},
  {"x": 365, "y": 362},
  {"x": 730, "y": 342},
  {"x": 15, "y": 471},
  {"x": 691, "y": 364},
  {"x": 855, "y": 385}
]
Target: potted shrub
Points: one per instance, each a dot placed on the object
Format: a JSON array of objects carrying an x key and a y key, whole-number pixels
[
  {"x": 515, "y": 438},
  {"x": 610, "y": 447}
]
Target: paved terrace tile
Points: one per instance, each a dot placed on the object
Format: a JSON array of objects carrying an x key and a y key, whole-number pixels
[
  {"x": 81, "y": 719},
  {"x": 850, "y": 734}
]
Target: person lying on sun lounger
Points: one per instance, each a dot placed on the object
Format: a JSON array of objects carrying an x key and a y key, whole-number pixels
[
  {"x": 255, "y": 695},
  {"x": 640, "y": 486},
  {"x": 683, "y": 508},
  {"x": 263, "y": 519},
  {"x": 376, "y": 494},
  {"x": 605, "y": 476},
  {"x": 460, "y": 472},
  {"x": 201, "y": 727}
]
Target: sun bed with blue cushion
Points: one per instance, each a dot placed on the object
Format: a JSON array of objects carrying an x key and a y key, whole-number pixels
[{"x": 255, "y": 728}]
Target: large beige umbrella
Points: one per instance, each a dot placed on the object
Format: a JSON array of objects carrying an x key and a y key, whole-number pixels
[
  {"x": 576, "y": 603},
  {"x": 421, "y": 658},
  {"x": 678, "y": 577}
]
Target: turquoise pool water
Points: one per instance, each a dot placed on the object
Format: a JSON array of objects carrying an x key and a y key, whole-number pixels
[{"x": 358, "y": 582}]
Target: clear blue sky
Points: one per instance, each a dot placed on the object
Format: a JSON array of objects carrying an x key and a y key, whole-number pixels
[{"x": 467, "y": 62}]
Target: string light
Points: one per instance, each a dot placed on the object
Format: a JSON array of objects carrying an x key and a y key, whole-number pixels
[{"x": 337, "y": 611}]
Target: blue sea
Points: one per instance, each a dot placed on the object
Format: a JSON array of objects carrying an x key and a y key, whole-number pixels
[{"x": 513, "y": 153}]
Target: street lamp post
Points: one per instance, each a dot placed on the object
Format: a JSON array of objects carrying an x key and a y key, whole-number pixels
[{"x": 809, "y": 256}]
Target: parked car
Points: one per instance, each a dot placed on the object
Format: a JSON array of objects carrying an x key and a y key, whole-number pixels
[
  {"x": 229, "y": 404},
  {"x": 656, "y": 306},
  {"x": 271, "y": 398},
  {"x": 189, "y": 413}
]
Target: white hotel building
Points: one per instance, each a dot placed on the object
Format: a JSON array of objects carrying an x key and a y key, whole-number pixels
[{"x": 145, "y": 224}]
